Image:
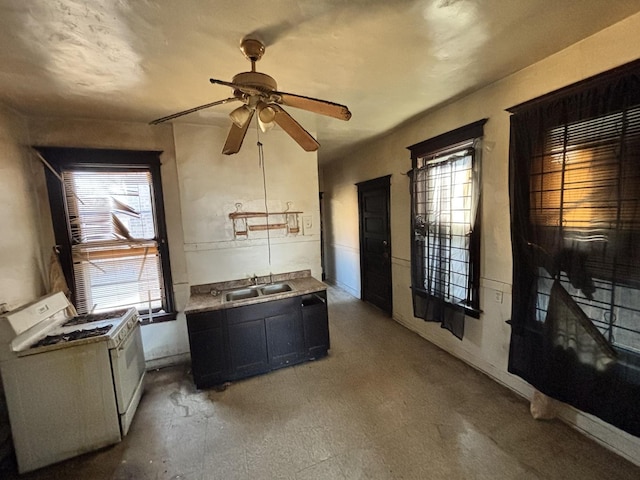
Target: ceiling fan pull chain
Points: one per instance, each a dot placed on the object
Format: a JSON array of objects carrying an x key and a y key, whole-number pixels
[
  {"x": 259, "y": 144},
  {"x": 266, "y": 203},
  {"x": 260, "y": 155}
]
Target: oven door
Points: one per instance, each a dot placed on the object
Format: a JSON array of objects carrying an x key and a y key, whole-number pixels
[{"x": 127, "y": 363}]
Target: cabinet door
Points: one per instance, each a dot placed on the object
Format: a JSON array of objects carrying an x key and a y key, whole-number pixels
[
  {"x": 208, "y": 357},
  {"x": 284, "y": 339},
  {"x": 209, "y": 353},
  {"x": 315, "y": 325},
  {"x": 248, "y": 348}
]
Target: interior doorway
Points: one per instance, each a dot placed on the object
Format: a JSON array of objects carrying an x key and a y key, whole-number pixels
[{"x": 375, "y": 242}]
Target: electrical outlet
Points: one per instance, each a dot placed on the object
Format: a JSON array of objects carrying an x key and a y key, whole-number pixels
[{"x": 498, "y": 296}]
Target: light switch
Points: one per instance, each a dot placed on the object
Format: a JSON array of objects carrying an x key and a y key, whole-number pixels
[{"x": 306, "y": 222}]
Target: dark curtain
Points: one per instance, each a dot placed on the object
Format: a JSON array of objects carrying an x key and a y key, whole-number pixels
[
  {"x": 434, "y": 308},
  {"x": 445, "y": 249},
  {"x": 575, "y": 224}
]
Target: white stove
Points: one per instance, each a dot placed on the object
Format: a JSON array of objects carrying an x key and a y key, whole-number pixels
[
  {"x": 72, "y": 383},
  {"x": 48, "y": 322}
]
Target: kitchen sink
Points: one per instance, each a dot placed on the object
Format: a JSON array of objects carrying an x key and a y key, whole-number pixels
[
  {"x": 241, "y": 294},
  {"x": 275, "y": 288},
  {"x": 254, "y": 291}
]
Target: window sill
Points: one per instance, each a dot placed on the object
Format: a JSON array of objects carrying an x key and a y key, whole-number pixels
[
  {"x": 471, "y": 312},
  {"x": 160, "y": 317},
  {"x": 468, "y": 310}
]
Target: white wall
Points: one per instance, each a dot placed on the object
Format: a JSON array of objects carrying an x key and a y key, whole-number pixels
[
  {"x": 22, "y": 272},
  {"x": 22, "y": 252},
  {"x": 211, "y": 184},
  {"x": 486, "y": 340}
]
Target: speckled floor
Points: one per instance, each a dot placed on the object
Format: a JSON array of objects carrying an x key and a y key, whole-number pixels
[{"x": 385, "y": 404}]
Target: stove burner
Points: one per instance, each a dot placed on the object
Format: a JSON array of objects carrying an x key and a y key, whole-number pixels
[
  {"x": 75, "y": 335},
  {"x": 94, "y": 317}
]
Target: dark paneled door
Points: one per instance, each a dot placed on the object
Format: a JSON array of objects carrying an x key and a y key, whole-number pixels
[{"x": 375, "y": 242}]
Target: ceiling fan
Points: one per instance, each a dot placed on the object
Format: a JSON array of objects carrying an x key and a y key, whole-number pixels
[{"x": 259, "y": 94}]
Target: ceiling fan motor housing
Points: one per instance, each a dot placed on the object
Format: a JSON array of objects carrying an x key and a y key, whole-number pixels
[{"x": 256, "y": 80}]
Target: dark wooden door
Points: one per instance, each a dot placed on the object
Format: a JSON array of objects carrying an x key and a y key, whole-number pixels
[{"x": 375, "y": 243}]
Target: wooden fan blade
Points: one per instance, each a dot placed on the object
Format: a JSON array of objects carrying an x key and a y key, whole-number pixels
[
  {"x": 191, "y": 110},
  {"x": 294, "y": 129},
  {"x": 323, "y": 107},
  {"x": 235, "y": 137}
]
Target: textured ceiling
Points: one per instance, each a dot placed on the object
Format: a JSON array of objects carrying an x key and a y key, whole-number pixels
[{"x": 388, "y": 60}]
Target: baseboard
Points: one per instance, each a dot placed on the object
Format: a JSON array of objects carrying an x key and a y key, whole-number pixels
[
  {"x": 169, "y": 361},
  {"x": 351, "y": 291}
]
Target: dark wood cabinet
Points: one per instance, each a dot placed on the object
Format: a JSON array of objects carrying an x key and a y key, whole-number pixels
[
  {"x": 242, "y": 341},
  {"x": 284, "y": 339},
  {"x": 210, "y": 361},
  {"x": 248, "y": 348},
  {"x": 315, "y": 324}
]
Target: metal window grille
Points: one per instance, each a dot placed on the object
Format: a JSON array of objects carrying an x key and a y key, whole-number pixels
[
  {"x": 585, "y": 183},
  {"x": 444, "y": 215}
]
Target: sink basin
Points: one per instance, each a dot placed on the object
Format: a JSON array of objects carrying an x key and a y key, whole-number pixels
[
  {"x": 276, "y": 288},
  {"x": 241, "y": 294},
  {"x": 254, "y": 291}
]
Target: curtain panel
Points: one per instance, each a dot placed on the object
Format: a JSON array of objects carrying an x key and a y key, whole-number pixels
[
  {"x": 575, "y": 226},
  {"x": 445, "y": 192}
]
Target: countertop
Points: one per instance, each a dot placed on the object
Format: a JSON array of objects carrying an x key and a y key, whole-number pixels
[{"x": 201, "y": 299}]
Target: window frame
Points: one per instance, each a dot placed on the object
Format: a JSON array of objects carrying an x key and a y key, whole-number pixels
[
  {"x": 63, "y": 158},
  {"x": 449, "y": 143}
]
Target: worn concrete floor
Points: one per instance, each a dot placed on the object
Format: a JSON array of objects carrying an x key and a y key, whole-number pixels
[{"x": 385, "y": 404}]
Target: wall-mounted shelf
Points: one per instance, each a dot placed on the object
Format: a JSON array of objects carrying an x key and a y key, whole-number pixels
[{"x": 245, "y": 222}]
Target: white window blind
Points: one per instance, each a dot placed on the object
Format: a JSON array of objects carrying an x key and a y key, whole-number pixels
[{"x": 114, "y": 248}]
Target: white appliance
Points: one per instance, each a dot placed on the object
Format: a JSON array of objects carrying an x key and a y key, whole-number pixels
[{"x": 72, "y": 384}]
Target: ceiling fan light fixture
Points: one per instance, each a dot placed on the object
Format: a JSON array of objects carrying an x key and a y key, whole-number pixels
[
  {"x": 266, "y": 114},
  {"x": 241, "y": 115},
  {"x": 264, "y": 127}
]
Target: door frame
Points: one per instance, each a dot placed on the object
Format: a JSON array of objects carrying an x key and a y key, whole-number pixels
[{"x": 375, "y": 184}]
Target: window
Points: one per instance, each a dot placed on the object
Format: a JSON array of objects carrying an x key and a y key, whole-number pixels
[
  {"x": 575, "y": 216},
  {"x": 109, "y": 224},
  {"x": 585, "y": 189},
  {"x": 446, "y": 234}
]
